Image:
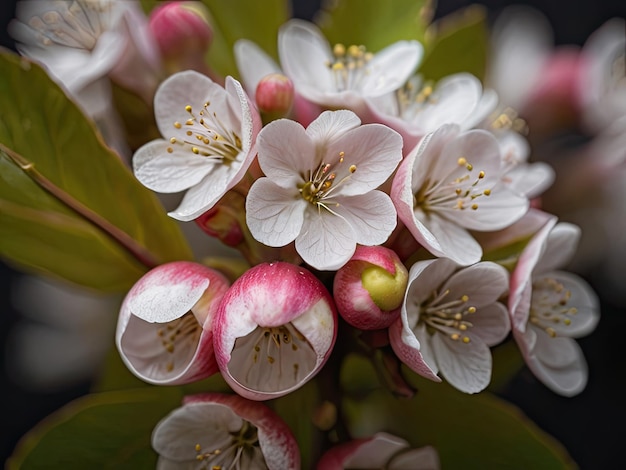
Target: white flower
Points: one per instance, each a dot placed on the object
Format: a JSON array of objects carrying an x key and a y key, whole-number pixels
[
  {"x": 419, "y": 107},
  {"x": 450, "y": 319},
  {"x": 448, "y": 185},
  {"x": 320, "y": 187},
  {"x": 342, "y": 76},
  {"x": 548, "y": 308},
  {"x": 165, "y": 326},
  {"x": 210, "y": 134},
  {"x": 220, "y": 431},
  {"x": 380, "y": 451}
]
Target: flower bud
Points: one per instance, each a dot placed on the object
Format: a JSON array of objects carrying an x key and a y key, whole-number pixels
[
  {"x": 215, "y": 430},
  {"x": 369, "y": 289},
  {"x": 274, "y": 94},
  {"x": 381, "y": 450},
  {"x": 183, "y": 34},
  {"x": 164, "y": 331},
  {"x": 274, "y": 330}
]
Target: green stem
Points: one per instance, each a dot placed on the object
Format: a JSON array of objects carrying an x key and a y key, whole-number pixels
[{"x": 139, "y": 252}]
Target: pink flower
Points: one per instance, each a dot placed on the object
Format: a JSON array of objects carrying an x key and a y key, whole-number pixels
[
  {"x": 224, "y": 431},
  {"x": 164, "y": 332},
  {"x": 274, "y": 330},
  {"x": 382, "y": 450}
]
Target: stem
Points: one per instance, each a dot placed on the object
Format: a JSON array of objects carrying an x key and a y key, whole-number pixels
[{"x": 139, "y": 252}]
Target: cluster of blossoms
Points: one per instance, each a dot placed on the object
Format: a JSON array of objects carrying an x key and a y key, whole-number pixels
[{"x": 359, "y": 193}]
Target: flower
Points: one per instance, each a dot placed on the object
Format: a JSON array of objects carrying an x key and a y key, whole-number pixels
[
  {"x": 369, "y": 289},
  {"x": 449, "y": 184},
  {"x": 210, "y": 135},
  {"x": 165, "y": 327},
  {"x": 549, "y": 308},
  {"x": 221, "y": 431},
  {"x": 419, "y": 107},
  {"x": 449, "y": 319},
  {"x": 382, "y": 450},
  {"x": 320, "y": 187},
  {"x": 79, "y": 41},
  {"x": 342, "y": 77},
  {"x": 274, "y": 330}
]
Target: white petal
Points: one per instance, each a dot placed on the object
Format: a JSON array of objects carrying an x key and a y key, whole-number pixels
[
  {"x": 286, "y": 153},
  {"x": 491, "y": 323},
  {"x": 496, "y": 211},
  {"x": 331, "y": 125},
  {"x": 443, "y": 237},
  {"x": 326, "y": 241},
  {"x": 372, "y": 216},
  {"x": 408, "y": 349},
  {"x": 274, "y": 215},
  {"x": 375, "y": 150},
  {"x": 390, "y": 68},
  {"x": 484, "y": 283},
  {"x": 304, "y": 53},
  {"x": 424, "y": 458},
  {"x": 253, "y": 64},
  {"x": 558, "y": 362},
  {"x": 467, "y": 367},
  {"x": 166, "y": 172},
  {"x": 560, "y": 247},
  {"x": 201, "y": 197},
  {"x": 530, "y": 180}
]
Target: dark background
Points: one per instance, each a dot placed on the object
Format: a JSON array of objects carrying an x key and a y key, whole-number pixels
[{"x": 589, "y": 425}]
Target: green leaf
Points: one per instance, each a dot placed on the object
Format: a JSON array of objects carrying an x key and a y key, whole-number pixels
[
  {"x": 373, "y": 23},
  {"x": 468, "y": 431},
  {"x": 69, "y": 228},
  {"x": 255, "y": 20},
  {"x": 457, "y": 43},
  {"x": 105, "y": 430}
]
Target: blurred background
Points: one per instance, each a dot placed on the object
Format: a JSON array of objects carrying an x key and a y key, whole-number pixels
[{"x": 588, "y": 425}]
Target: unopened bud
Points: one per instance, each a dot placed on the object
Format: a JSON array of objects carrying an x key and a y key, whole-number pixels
[
  {"x": 274, "y": 94},
  {"x": 183, "y": 33},
  {"x": 369, "y": 289}
]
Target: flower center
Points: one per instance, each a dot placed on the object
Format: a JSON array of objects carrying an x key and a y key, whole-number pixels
[
  {"x": 508, "y": 119},
  {"x": 77, "y": 24},
  {"x": 447, "y": 316},
  {"x": 206, "y": 135},
  {"x": 184, "y": 330},
  {"x": 272, "y": 359},
  {"x": 548, "y": 307},
  {"x": 452, "y": 193},
  {"x": 244, "y": 441},
  {"x": 414, "y": 97},
  {"x": 349, "y": 66},
  {"x": 322, "y": 182}
]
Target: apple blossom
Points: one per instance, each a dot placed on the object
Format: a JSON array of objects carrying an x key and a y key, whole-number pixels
[
  {"x": 549, "y": 308},
  {"x": 219, "y": 431},
  {"x": 342, "y": 77},
  {"x": 210, "y": 134},
  {"x": 274, "y": 330},
  {"x": 165, "y": 327},
  {"x": 381, "y": 450},
  {"x": 369, "y": 289},
  {"x": 448, "y": 185},
  {"x": 450, "y": 319},
  {"x": 320, "y": 187},
  {"x": 274, "y": 94}
]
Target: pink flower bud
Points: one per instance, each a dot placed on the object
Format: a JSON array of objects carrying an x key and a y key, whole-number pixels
[
  {"x": 379, "y": 451},
  {"x": 274, "y": 94},
  {"x": 183, "y": 34},
  {"x": 369, "y": 289},
  {"x": 214, "y": 430},
  {"x": 274, "y": 330},
  {"x": 164, "y": 331}
]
